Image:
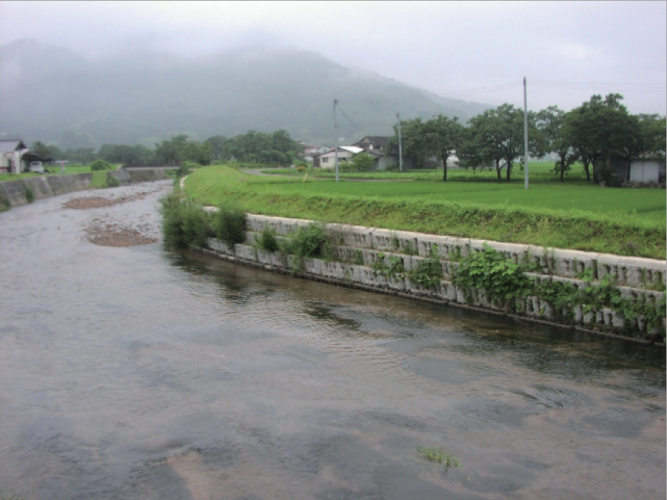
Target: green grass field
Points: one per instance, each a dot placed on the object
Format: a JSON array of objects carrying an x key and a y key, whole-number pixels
[{"x": 572, "y": 214}]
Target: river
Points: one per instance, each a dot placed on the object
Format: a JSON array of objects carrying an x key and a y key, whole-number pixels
[{"x": 139, "y": 372}]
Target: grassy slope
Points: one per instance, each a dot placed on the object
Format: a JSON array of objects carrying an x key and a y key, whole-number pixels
[{"x": 570, "y": 215}]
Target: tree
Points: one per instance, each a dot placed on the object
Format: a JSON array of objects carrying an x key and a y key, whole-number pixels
[
  {"x": 651, "y": 136},
  {"x": 597, "y": 129},
  {"x": 169, "y": 151},
  {"x": 218, "y": 144},
  {"x": 180, "y": 148},
  {"x": 443, "y": 136},
  {"x": 554, "y": 138},
  {"x": 413, "y": 141},
  {"x": 498, "y": 135},
  {"x": 129, "y": 155}
]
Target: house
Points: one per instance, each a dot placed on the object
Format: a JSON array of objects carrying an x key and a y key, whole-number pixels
[
  {"x": 11, "y": 156},
  {"x": 345, "y": 153},
  {"x": 372, "y": 143},
  {"x": 311, "y": 152}
]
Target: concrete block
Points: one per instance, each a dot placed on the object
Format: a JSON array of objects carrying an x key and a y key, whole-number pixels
[
  {"x": 313, "y": 266},
  {"x": 121, "y": 176},
  {"x": 384, "y": 240},
  {"x": 40, "y": 187},
  {"x": 14, "y": 193},
  {"x": 219, "y": 246},
  {"x": 245, "y": 252}
]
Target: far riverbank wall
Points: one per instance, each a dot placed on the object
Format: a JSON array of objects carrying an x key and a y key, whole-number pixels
[
  {"x": 16, "y": 192},
  {"x": 360, "y": 248}
]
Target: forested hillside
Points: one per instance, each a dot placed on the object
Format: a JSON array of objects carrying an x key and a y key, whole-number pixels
[{"x": 55, "y": 95}]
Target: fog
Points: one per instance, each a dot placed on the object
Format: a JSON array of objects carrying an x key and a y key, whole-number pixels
[{"x": 477, "y": 51}]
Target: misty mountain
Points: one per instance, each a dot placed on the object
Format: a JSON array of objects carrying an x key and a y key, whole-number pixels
[{"x": 53, "y": 94}]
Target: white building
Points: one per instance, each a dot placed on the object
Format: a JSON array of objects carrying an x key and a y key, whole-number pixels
[{"x": 11, "y": 156}]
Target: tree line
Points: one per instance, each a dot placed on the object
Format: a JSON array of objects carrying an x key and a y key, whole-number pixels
[
  {"x": 589, "y": 134},
  {"x": 277, "y": 147}
]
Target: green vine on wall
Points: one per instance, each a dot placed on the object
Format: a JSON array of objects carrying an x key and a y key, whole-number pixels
[{"x": 503, "y": 280}]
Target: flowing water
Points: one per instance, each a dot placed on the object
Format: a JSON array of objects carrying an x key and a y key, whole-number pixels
[{"x": 144, "y": 373}]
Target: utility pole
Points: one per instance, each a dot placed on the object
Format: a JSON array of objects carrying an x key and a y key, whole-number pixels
[
  {"x": 525, "y": 131},
  {"x": 400, "y": 146},
  {"x": 336, "y": 134}
]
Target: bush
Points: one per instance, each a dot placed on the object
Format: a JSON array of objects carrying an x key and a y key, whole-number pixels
[
  {"x": 392, "y": 168},
  {"x": 186, "y": 168},
  {"x": 29, "y": 194},
  {"x": 268, "y": 240},
  {"x": 308, "y": 241},
  {"x": 184, "y": 223},
  {"x": 230, "y": 224},
  {"x": 112, "y": 181},
  {"x": 489, "y": 270},
  {"x": 100, "y": 165},
  {"x": 363, "y": 162}
]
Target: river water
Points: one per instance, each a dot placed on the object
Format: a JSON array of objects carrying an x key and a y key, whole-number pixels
[{"x": 138, "y": 372}]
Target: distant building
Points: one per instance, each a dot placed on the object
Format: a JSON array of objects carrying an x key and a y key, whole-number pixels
[
  {"x": 11, "y": 156},
  {"x": 15, "y": 158},
  {"x": 616, "y": 169},
  {"x": 372, "y": 143}
]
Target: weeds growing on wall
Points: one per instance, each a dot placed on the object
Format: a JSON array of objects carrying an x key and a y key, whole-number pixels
[
  {"x": 308, "y": 241},
  {"x": 268, "y": 239},
  {"x": 230, "y": 223},
  {"x": 391, "y": 266},
  {"x": 29, "y": 194},
  {"x": 503, "y": 280},
  {"x": 427, "y": 272}
]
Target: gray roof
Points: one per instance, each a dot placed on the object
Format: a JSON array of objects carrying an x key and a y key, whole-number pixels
[{"x": 9, "y": 145}]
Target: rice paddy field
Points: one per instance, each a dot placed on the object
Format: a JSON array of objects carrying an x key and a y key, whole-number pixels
[{"x": 573, "y": 214}]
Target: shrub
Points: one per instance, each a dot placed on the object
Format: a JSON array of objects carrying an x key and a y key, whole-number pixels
[
  {"x": 100, "y": 165},
  {"x": 427, "y": 273},
  {"x": 489, "y": 270},
  {"x": 308, "y": 241},
  {"x": 184, "y": 223},
  {"x": 268, "y": 240},
  {"x": 230, "y": 224},
  {"x": 186, "y": 168},
  {"x": 392, "y": 168},
  {"x": 112, "y": 181},
  {"x": 29, "y": 194}
]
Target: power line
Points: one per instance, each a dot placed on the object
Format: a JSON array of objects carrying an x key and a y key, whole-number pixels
[
  {"x": 477, "y": 90},
  {"x": 620, "y": 87}
]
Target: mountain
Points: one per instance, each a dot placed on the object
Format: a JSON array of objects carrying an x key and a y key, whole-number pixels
[{"x": 53, "y": 94}]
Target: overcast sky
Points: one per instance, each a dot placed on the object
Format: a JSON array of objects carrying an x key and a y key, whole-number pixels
[{"x": 477, "y": 51}]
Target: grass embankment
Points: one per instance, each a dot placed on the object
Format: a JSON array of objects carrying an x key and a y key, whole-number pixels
[{"x": 570, "y": 215}]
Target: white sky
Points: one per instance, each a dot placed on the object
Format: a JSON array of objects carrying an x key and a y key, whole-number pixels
[{"x": 477, "y": 51}]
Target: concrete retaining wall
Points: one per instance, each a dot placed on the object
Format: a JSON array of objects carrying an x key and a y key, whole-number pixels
[
  {"x": 360, "y": 247},
  {"x": 13, "y": 193}
]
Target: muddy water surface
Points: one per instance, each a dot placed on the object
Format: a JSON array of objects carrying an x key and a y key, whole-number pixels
[{"x": 135, "y": 372}]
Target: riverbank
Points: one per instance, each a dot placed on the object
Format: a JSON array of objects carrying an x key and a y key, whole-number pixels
[{"x": 22, "y": 191}]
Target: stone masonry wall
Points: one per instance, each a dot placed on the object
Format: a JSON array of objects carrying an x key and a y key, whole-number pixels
[{"x": 360, "y": 247}]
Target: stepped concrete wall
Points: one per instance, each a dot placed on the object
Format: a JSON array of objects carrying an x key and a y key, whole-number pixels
[{"x": 360, "y": 247}]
